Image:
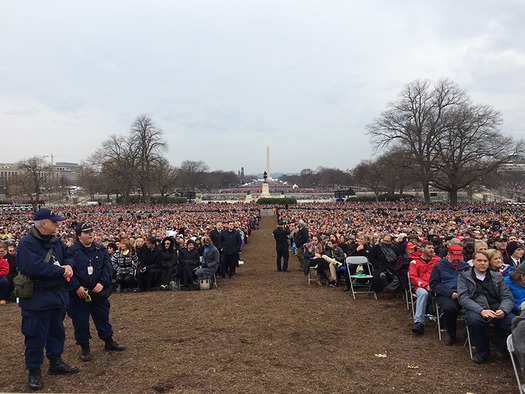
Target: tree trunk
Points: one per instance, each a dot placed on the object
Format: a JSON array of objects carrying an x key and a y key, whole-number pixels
[
  {"x": 453, "y": 196},
  {"x": 426, "y": 192}
]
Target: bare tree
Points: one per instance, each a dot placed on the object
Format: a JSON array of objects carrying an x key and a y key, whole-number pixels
[
  {"x": 416, "y": 120},
  {"x": 147, "y": 139},
  {"x": 118, "y": 158},
  {"x": 369, "y": 174},
  {"x": 333, "y": 177},
  {"x": 221, "y": 179},
  {"x": 192, "y": 172},
  {"x": 90, "y": 178},
  {"x": 397, "y": 169},
  {"x": 471, "y": 147},
  {"x": 164, "y": 177},
  {"x": 34, "y": 175}
]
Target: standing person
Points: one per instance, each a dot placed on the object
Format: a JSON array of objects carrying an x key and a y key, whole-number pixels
[
  {"x": 89, "y": 290},
  {"x": 47, "y": 260},
  {"x": 301, "y": 237},
  {"x": 231, "y": 246},
  {"x": 281, "y": 246},
  {"x": 215, "y": 236}
]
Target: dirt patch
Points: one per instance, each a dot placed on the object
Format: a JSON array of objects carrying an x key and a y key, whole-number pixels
[{"x": 262, "y": 331}]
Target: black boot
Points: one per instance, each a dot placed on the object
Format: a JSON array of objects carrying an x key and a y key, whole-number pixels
[
  {"x": 58, "y": 367},
  {"x": 85, "y": 355},
  {"x": 111, "y": 345},
  {"x": 35, "y": 379}
]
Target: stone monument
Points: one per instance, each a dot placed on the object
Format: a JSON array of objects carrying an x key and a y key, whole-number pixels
[{"x": 265, "y": 186}]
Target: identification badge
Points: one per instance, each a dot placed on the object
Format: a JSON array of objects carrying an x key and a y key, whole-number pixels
[{"x": 90, "y": 270}]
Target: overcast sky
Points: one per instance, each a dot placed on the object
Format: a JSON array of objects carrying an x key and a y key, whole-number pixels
[{"x": 224, "y": 79}]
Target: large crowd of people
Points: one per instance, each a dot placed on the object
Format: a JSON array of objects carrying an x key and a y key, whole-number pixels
[{"x": 469, "y": 260}]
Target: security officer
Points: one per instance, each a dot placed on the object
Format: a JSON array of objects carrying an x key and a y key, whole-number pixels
[
  {"x": 47, "y": 260},
  {"x": 281, "y": 235},
  {"x": 89, "y": 290}
]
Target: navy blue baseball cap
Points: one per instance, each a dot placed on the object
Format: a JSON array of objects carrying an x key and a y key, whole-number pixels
[
  {"x": 45, "y": 213},
  {"x": 83, "y": 226}
]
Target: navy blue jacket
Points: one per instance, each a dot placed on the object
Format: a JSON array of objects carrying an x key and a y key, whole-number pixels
[
  {"x": 95, "y": 256},
  {"x": 444, "y": 277},
  {"x": 50, "y": 285},
  {"x": 231, "y": 241}
]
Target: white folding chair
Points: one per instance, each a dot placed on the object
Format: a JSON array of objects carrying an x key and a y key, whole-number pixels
[
  {"x": 312, "y": 275},
  {"x": 354, "y": 261},
  {"x": 511, "y": 349}
]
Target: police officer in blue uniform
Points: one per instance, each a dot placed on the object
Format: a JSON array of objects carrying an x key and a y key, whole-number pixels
[
  {"x": 89, "y": 290},
  {"x": 47, "y": 260}
]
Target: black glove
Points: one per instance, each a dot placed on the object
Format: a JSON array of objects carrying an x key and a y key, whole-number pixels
[{"x": 204, "y": 265}]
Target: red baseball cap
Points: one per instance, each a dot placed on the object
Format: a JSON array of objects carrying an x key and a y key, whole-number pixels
[{"x": 456, "y": 252}]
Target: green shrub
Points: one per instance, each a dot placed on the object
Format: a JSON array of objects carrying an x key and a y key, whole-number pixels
[
  {"x": 276, "y": 201},
  {"x": 382, "y": 197}
]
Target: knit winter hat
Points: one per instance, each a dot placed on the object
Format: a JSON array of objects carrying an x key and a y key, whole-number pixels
[{"x": 512, "y": 246}]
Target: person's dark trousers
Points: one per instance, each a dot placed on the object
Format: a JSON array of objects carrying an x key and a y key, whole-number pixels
[
  {"x": 187, "y": 277},
  {"x": 220, "y": 266},
  {"x": 478, "y": 330},
  {"x": 230, "y": 263},
  {"x": 79, "y": 311},
  {"x": 450, "y": 309},
  {"x": 148, "y": 279},
  {"x": 41, "y": 329},
  {"x": 126, "y": 281},
  {"x": 300, "y": 256},
  {"x": 284, "y": 256},
  {"x": 166, "y": 275},
  {"x": 4, "y": 288},
  {"x": 223, "y": 270}
]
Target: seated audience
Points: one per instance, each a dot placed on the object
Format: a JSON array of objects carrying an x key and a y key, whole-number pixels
[
  {"x": 210, "y": 260},
  {"x": 188, "y": 262},
  {"x": 486, "y": 299},
  {"x": 148, "y": 271},
  {"x": 4, "y": 281},
  {"x": 420, "y": 269},
  {"x": 362, "y": 248},
  {"x": 495, "y": 260},
  {"x": 125, "y": 262},
  {"x": 403, "y": 262},
  {"x": 168, "y": 262},
  {"x": 443, "y": 284},
  {"x": 515, "y": 252},
  {"x": 333, "y": 257},
  {"x": 516, "y": 282},
  {"x": 383, "y": 259}
]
